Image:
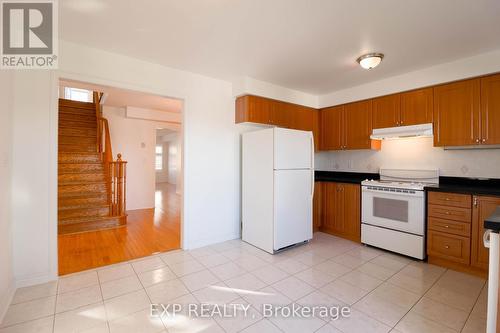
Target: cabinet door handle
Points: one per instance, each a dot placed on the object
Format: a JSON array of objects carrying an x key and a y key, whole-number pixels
[
  {"x": 446, "y": 226},
  {"x": 483, "y": 140},
  {"x": 446, "y": 246},
  {"x": 447, "y": 213},
  {"x": 447, "y": 199},
  {"x": 477, "y": 140},
  {"x": 475, "y": 201}
]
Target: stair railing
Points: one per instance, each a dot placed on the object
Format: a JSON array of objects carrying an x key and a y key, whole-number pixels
[{"x": 116, "y": 171}]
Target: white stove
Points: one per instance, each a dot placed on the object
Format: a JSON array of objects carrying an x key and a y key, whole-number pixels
[
  {"x": 408, "y": 185},
  {"x": 393, "y": 210}
]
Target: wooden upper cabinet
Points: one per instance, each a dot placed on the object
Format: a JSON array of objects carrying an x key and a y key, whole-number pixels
[
  {"x": 302, "y": 117},
  {"x": 260, "y": 110},
  {"x": 417, "y": 107},
  {"x": 490, "y": 109},
  {"x": 386, "y": 111},
  {"x": 282, "y": 114},
  {"x": 358, "y": 125},
  {"x": 253, "y": 109},
  {"x": 331, "y": 128},
  {"x": 456, "y": 113},
  {"x": 316, "y": 129}
]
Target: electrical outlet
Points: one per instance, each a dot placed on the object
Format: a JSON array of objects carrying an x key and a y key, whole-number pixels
[
  {"x": 349, "y": 164},
  {"x": 464, "y": 169}
]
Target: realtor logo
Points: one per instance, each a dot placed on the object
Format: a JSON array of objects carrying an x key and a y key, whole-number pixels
[{"x": 29, "y": 34}]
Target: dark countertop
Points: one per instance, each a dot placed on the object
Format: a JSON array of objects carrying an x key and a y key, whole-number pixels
[
  {"x": 343, "y": 177},
  {"x": 493, "y": 222},
  {"x": 464, "y": 185},
  {"x": 467, "y": 186}
]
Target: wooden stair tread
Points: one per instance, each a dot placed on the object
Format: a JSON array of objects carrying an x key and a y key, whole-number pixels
[
  {"x": 84, "y": 172},
  {"x": 82, "y": 206},
  {"x": 75, "y": 112},
  {"x": 90, "y": 182},
  {"x": 76, "y": 149},
  {"x": 79, "y": 157},
  {"x": 77, "y": 128},
  {"x": 75, "y": 121},
  {"x": 90, "y": 195},
  {"x": 87, "y": 219},
  {"x": 68, "y": 102},
  {"x": 70, "y": 139}
]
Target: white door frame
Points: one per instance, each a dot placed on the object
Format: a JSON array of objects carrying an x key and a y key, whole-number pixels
[{"x": 53, "y": 153}]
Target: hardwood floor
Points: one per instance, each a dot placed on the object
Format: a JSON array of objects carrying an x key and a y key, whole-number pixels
[{"x": 148, "y": 231}]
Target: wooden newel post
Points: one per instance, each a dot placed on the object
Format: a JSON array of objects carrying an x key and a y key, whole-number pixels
[{"x": 121, "y": 181}]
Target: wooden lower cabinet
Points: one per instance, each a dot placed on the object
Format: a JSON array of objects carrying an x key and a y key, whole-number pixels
[
  {"x": 340, "y": 210},
  {"x": 483, "y": 207},
  {"x": 455, "y": 230},
  {"x": 448, "y": 246},
  {"x": 317, "y": 206}
]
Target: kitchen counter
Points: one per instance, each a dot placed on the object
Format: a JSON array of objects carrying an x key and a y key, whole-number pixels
[
  {"x": 493, "y": 222},
  {"x": 467, "y": 186},
  {"x": 343, "y": 177}
]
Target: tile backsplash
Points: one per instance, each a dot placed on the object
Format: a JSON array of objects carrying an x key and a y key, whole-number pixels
[{"x": 414, "y": 153}]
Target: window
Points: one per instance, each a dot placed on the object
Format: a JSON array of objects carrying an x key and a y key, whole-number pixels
[
  {"x": 159, "y": 158},
  {"x": 76, "y": 94}
]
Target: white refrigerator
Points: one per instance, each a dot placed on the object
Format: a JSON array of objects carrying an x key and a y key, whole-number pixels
[{"x": 277, "y": 188}]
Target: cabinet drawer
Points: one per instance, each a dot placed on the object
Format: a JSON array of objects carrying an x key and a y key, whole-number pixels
[
  {"x": 447, "y": 246},
  {"x": 450, "y": 227},
  {"x": 450, "y": 199},
  {"x": 450, "y": 213}
]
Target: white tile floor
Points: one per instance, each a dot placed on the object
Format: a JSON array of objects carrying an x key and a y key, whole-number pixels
[{"x": 387, "y": 292}]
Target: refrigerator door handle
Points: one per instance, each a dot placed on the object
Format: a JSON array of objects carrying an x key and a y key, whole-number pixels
[
  {"x": 312, "y": 165},
  {"x": 486, "y": 238}
]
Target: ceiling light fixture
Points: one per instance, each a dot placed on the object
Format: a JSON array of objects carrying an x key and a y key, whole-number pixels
[{"x": 370, "y": 60}]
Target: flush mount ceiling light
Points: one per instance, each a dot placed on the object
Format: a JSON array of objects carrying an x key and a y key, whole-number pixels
[{"x": 370, "y": 60}]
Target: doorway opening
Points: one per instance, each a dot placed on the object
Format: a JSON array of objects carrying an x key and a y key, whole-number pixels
[{"x": 113, "y": 204}]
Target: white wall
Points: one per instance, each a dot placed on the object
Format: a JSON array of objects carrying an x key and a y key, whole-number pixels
[
  {"x": 6, "y": 275},
  {"x": 416, "y": 153},
  {"x": 135, "y": 139},
  {"x": 34, "y": 177}
]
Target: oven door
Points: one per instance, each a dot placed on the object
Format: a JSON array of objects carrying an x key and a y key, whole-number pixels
[{"x": 393, "y": 209}]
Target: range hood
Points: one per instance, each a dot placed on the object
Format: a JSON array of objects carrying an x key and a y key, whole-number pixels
[{"x": 401, "y": 132}]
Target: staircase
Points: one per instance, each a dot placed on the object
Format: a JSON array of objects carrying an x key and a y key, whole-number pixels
[{"x": 91, "y": 186}]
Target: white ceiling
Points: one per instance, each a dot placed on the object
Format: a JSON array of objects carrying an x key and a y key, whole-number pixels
[
  {"x": 121, "y": 97},
  {"x": 308, "y": 45}
]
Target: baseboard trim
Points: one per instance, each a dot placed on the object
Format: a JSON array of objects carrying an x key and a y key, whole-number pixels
[
  {"x": 212, "y": 240},
  {"x": 31, "y": 281},
  {"x": 6, "y": 300}
]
